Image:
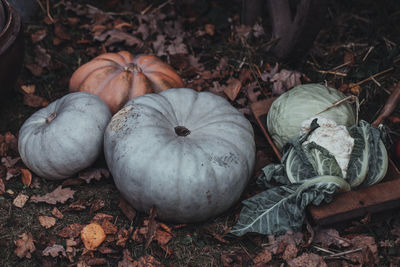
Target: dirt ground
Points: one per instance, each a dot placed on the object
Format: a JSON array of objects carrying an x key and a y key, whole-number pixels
[{"x": 205, "y": 43}]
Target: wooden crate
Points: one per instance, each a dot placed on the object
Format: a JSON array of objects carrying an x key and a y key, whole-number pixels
[{"x": 348, "y": 205}]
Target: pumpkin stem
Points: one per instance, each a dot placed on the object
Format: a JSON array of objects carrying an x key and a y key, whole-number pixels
[
  {"x": 182, "y": 131},
  {"x": 51, "y": 117},
  {"x": 132, "y": 67}
]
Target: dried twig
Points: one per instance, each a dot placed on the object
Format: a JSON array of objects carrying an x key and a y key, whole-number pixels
[
  {"x": 340, "y": 254},
  {"x": 351, "y": 99},
  {"x": 391, "y": 104},
  {"x": 373, "y": 76}
]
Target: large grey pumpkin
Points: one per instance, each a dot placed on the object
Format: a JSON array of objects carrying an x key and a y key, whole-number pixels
[
  {"x": 65, "y": 137},
  {"x": 188, "y": 154}
]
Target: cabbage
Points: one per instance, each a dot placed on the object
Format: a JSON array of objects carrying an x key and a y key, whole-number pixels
[
  {"x": 310, "y": 174},
  {"x": 289, "y": 110}
]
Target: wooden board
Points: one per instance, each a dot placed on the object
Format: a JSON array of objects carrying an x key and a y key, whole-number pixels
[{"x": 349, "y": 205}]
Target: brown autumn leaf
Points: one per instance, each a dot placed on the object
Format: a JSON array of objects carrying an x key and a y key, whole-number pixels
[
  {"x": 9, "y": 162},
  {"x": 57, "y": 213},
  {"x": 235, "y": 258},
  {"x": 366, "y": 243},
  {"x": 42, "y": 58},
  {"x": 285, "y": 80},
  {"x": 78, "y": 205},
  {"x": 307, "y": 260},
  {"x": 25, "y": 246},
  {"x": 147, "y": 261},
  {"x": 106, "y": 250},
  {"x": 100, "y": 217},
  {"x": 127, "y": 210},
  {"x": 233, "y": 88},
  {"x": 96, "y": 174},
  {"x": 278, "y": 244},
  {"x": 92, "y": 236},
  {"x": 263, "y": 257},
  {"x": 54, "y": 251},
  {"x": 61, "y": 32},
  {"x": 47, "y": 221},
  {"x": 328, "y": 237},
  {"x": 35, "y": 101},
  {"x": 290, "y": 252},
  {"x": 109, "y": 228},
  {"x": 2, "y": 186},
  {"x": 28, "y": 89},
  {"x": 162, "y": 237},
  {"x": 72, "y": 230},
  {"x": 127, "y": 260},
  {"x": 26, "y": 177},
  {"x": 209, "y": 29},
  {"x": 123, "y": 236},
  {"x": 96, "y": 261},
  {"x": 115, "y": 36},
  {"x": 59, "y": 195},
  {"x": 35, "y": 69},
  {"x": 38, "y": 35},
  {"x": 20, "y": 200},
  {"x": 96, "y": 205}
]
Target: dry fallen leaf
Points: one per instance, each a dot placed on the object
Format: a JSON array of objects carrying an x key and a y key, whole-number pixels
[
  {"x": 328, "y": 237},
  {"x": 233, "y": 88},
  {"x": 38, "y": 35},
  {"x": 147, "y": 261},
  {"x": 290, "y": 252},
  {"x": 162, "y": 237},
  {"x": 92, "y": 236},
  {"x": 127, "y": 260},
  {"x": 263, "y": 257},
  {"x": 72, "y": 230},
  {"x": 26, "y": 177},
  {"x": 60, "y": 195},
  {"x": 366, "y": 243},
  {"x": 285, "y": 80},
  {"x": 307, "y": 260},
  {"x": 123, "y": 236},
  {"x": 47, "y": 221},
  {"x": 209, "y": 29},
  {"x": 96, "y": 174},
  {"x": 9, "y": 162},
  {"x": 109, "y": 228},
  {"x": 54, "y": 251},
  {"x": 127, "y": 209},
  {"x": 35, "y": 101},
  {"x": 28, "y": 89},
  {"x": 25, "y": 246},
  {"x": 96, "y": 205},
  {"x": 20, "y": 200},
  {"x": 2, "y": 187},
  {"x": 57, "y": 213}
]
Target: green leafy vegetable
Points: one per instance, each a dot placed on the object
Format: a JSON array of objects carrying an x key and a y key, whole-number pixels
[
  {"x": 282, "y": 208},
  {"x": 309, "y": 173}
]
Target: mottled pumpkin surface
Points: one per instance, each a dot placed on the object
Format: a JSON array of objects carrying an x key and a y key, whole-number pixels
[{"x": 118, "y": 77}]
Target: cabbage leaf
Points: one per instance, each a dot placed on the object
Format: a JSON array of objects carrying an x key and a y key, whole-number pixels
[{"x": 282, "y": 208}]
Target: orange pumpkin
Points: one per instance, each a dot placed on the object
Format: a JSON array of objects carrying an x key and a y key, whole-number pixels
[{"x": 119, "y": 77}]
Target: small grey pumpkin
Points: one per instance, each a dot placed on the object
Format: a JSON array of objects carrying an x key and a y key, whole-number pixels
[
  {"x": 65, "y": 137},
  {"x": 188, "y": 154}
]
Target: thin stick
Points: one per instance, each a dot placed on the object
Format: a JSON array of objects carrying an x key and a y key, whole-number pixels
[
  {"x": 48, "y": 11},
  {"x": 324, "y": 250},
  {"x": 341, "y": 65},
  {"x": 368, "y": 52},
  {"x": 41, "y": 6},
  {"x": 342, "y": 253},
  {"x": 337, "y": 103},
  {"x": 373, "y": 76},
  {"x": 332, "y": 72}
]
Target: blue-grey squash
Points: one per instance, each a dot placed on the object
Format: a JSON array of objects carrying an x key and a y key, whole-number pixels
[
  {"x": 65, "y": 137},
  {"x": 188, "y": 154}
]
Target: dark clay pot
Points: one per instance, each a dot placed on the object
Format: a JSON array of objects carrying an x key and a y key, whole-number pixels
[{"x": 11, "y": 48}]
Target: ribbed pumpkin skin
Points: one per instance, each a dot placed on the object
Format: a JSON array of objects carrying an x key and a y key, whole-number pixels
[
  {"x": 60, "y": 147},
  {"x": 187, "y": 178},
  {"x": 119, "y": 77}
]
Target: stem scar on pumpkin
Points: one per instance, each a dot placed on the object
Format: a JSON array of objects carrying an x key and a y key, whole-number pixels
[
  {"x": 132, "y": 67},
  {"x": 182, "y": 131},
  {"x": 51, "y": 117}
]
